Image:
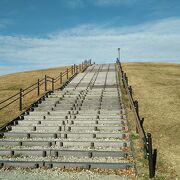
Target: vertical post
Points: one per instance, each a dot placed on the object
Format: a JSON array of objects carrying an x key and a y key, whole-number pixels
[
  {"x": 117, "y": 60},
  {"x": 136, "y": 107},
  {"x": 71, "y": 70},
  {"x": 45, "y": 82},
  {"x": 74, "y": 68},
  {"x": 150, "y": 156},
  {"x": 154, "y": 161},
  {"x": 126, "y": 80},
  {"x": 130, "y": 90},
  {"x": 67, "y": 71},
  {"x": 85, "y": 63},
  {"x": 20, "y": 99},
  {"x": 137, "y": 112},
  {"x": 38, "y": 83},
  {"x": 52, "y": 84},
  {"x": 123, "y": 79},
  {"x": 80, "y": 67},
  {"x": 120, "y": 67},
  {"x": 119, "y": 49},
  {"x": 60, "y": 78},
  {"x": 141, "y": 121}
]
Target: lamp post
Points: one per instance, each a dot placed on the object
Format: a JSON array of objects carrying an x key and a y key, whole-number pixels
[{"x": 119, "y": 53}]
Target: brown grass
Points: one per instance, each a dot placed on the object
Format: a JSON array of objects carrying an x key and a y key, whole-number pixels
[
  {"x": 11, "y": 83},
  {"x": 157, "y": 88}
]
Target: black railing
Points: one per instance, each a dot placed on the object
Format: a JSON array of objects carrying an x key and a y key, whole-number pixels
[
  {"x": 69, "y": 72},
  {"x": 149, "y": 153}
]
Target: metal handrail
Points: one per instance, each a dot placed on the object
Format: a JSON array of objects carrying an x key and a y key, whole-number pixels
[
  {"x": 9, "y": 98},
  {"x": 9, "y": 103},
  {"x": 30, "y": 90},
  {"x": 29, "y": 86},
  {"x": 37, "y": 85},
  {"x": 150, "y": 153}
]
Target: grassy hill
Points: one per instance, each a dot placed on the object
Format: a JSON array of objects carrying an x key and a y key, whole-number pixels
[
  {"x": 157, "y": 87},
  {"x": 11, "y": 83}
]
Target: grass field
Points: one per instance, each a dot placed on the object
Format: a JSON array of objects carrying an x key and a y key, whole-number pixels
[
  {"x": 11, "y": 83},
  {"x": 157, "y": 88}
]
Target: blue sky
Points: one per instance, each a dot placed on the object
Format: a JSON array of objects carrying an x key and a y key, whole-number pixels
[{"x": 46, "y": 33}]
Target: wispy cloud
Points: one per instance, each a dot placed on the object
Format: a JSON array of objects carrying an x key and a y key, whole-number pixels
[
  {"x": 155, "y": 41},
  {"x": 4, "y": 23},
  {"x": 74, "y": 3},
  {"x": 83, "y": 3},
  {"x": 114, "y": 2}
]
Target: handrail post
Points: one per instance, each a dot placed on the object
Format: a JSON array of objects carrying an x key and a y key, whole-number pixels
[
  {"x": 136, "y": 107},
  {"x": 20, "y": 99},
  {"x": 150, "y": 156},
  {"x": 45, "y": 82},
  {"x": 61, "y": 78},
  {"x": 130, "y": 90},
  {"x": 80, "y": 67},
  {"x": 141, "y": 121},
  {"x": 38, "y": 83},
  {"x": 117, "y": 60},
  {"x": 123, "y": 80},
  {"x": 67, "y": 73},
  {"x": 52, "y": 84},
  {"x": 72, "y": 68},
  {"x": 85, "y": 63},
  {"x": 76, "y": 69},
  {"x": 126, "y": 80},
  {"x": 120, "y": 66}
]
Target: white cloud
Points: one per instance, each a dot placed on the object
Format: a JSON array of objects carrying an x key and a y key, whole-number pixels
[{"x": 155, "y": 41}]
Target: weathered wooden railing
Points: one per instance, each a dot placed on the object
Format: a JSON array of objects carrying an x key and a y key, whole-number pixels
[
  {"x": 149, "y": 153},
  {"x": 68, "y": 73}
]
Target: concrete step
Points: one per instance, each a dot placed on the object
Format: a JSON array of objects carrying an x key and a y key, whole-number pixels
[
  {"x": 65, "y": 165},
  {"x": 66, "y": 135},
  {"x": 72, "y": 127},
  {"x": 79, "y": 122},
  {"x": 84, "y": 125},
  {"x": 70, "y": 159},
  {"x": 60, "y": 152},
  {"x": 91, "y": 143}
]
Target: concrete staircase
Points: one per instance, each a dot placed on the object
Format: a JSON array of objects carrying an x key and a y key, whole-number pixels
[{"x": 82, "y": 126}]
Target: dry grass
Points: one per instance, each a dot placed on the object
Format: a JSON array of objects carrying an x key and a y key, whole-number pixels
[
  {"x": 157, "y": 87},
  {"x": 11, "y": 83}
]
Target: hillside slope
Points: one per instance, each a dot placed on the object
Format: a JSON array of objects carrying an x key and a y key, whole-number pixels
[
  {"x": 157, "y": 87},
  {"x": 11, "y": 83}
]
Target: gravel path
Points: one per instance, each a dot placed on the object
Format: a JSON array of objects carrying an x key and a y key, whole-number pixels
[{"x": 37, "y": 174}]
